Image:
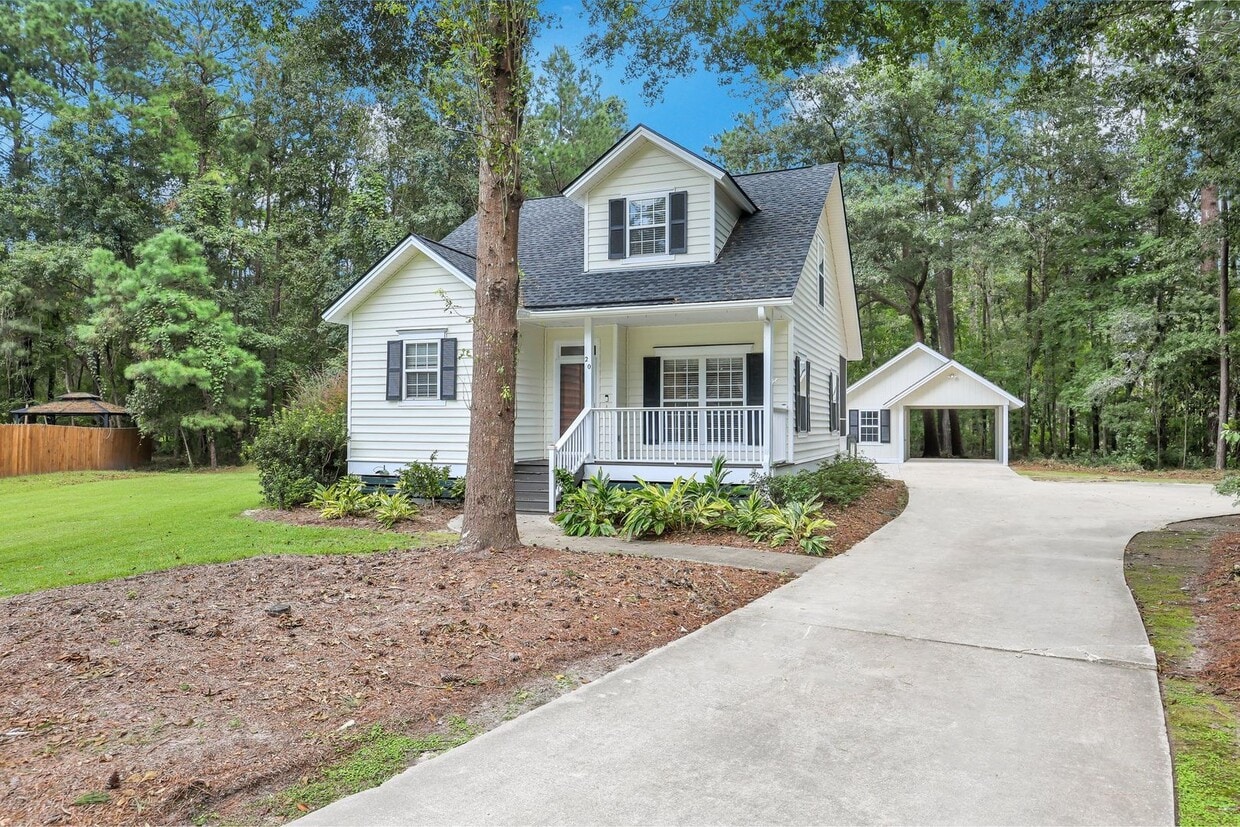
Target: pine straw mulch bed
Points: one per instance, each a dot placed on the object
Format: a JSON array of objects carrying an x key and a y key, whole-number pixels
[
  {"x": 1217, "y": 592},
  {"x": 175, "y": 695},
  {"x": 429, "y": 518},
  {"x": 853, "y": 523}
]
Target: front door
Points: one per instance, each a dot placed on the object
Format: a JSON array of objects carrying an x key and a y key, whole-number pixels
[{"x": 572, "y": 393}]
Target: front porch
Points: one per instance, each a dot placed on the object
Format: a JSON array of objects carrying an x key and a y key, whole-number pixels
[{"x": 657, "y": 394}]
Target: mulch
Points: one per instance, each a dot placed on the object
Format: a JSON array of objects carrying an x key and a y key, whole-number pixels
[
  {"x": 853, "y": 523},
  {"x": 429, "y": 518},
  {"x": 175, "y": 694},
  {"x": 1218, "y": 611}
]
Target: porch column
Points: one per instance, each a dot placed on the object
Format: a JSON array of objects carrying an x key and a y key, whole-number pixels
[
  {"x": 588, "y": 341},
  {"x": 768, "y": 376}
]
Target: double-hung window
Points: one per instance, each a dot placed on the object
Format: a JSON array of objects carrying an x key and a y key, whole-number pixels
[
  {"x": 422, "y": 369},
  {"x": 647, "y": 227},
  {"x": 704, "y": 382},
  {"x": 869, "y": 426}
]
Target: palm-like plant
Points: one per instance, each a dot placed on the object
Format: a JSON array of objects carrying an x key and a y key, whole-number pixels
[{"x": 799, "y": 523}]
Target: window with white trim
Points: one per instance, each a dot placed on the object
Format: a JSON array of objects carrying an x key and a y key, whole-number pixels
[
  {"x": 422, "y": 369},
  {"x": 868, "y": 426},
  {"x": 704, "y": 382},
  {"x": 647, "y": 230}
]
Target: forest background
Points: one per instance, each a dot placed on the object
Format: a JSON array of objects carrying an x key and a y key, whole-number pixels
[{"x": 1041, "y": 191}]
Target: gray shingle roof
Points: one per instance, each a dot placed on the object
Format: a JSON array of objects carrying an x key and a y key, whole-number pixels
[{"x": 762, "y": 259}]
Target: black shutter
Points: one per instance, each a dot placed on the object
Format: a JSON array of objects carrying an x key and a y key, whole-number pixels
[
  {"x": 854, "y": 422},
  {"x": 830, "y": 401},
  {"x": 755, "y": 394},
  {"x": 395, "y": 370},
  {"x": 796, "y": 393},
  {"x": 843, "y": 390},
  {"x": 822, "y": 284},
  {"x": 678, "y": 208},
  {"x": 809, "y": 392},
  {"x": 884, "y": 425},
  {"x": 652, "y": 376},
  {"x": 616, "y": 215},
  {"x": 447, "y": 369}
]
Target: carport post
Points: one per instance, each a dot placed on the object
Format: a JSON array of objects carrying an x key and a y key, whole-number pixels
[{"x": 1001, "y": 432}]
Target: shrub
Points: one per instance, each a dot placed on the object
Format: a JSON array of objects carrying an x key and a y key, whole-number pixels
[
  {"x": 593, "y": 509},
  {"x": 346, "y": 497},
  {"x": 1229, "y": 486},
  {"x": 390, "y": 509},
  {"x": 653, "y": 509},
  {"x": 425, "y": 480},
  {"x": 841, "y": 481},
  {"x": 299, "y": 448},
  {"x": 800, "y": 523}
]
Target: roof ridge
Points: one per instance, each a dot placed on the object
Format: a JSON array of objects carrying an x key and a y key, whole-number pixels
[
  {"x": 832, "y": 164},
  {"x": 445, "y": 246}
]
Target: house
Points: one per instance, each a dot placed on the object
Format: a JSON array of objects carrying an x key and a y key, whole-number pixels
[
  {"x": 921, "y": 378},
  {"x": 670, "y": 313}
]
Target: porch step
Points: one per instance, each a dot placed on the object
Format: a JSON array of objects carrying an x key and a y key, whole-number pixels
[{"x": 531, "y": 487}]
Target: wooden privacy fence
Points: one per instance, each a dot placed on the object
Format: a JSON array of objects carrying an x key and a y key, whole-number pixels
[{"x": 41, "y": 449}]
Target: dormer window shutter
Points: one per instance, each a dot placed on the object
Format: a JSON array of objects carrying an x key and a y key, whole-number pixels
[
  {"x": 677, "y": 212},
  {"x": 617, "y": 209}
]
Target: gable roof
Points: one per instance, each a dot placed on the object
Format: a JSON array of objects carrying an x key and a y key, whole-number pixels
[
  {"x": 890, "y": 364},
  {"x": 762, "y": 260},
  {"x": 948, "y": 367},
  {"x": 635, "y": 139},
  {"x": 462, "y": 265}
]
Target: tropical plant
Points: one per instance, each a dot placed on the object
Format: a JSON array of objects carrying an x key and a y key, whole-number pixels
[
  {"x": 425, "y": 480},
  {"x": 798, "y": 523},
  {"x": 654, "y": 509},
  {"x": 746, "y": 515},
  {"x": 712, "y": 484},
  {"x": 344, "y": 498},
  {"x": 391, "y": 508},
  {"x": 593, "y": 509}
]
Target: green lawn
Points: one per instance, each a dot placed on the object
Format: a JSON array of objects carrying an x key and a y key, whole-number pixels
[{"x": 60, "y": 529}]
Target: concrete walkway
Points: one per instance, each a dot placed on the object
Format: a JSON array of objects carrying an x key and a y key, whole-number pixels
[
  {"x": 538, "y": 530},
  {"x": 978, "y": 660}
]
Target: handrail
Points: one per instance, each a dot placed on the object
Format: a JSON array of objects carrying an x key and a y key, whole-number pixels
[{"x": 570, "y": 452}]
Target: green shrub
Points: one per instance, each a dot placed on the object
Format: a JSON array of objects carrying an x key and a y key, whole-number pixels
[
  {"x": 297, "y": 449},
  {"x": 800, "y": 523},
  {"x": 592, "y": 510},
  {"x": 346, "y": 497},
  {"x": 426, "y": 480},
  {"x": 840, "y": 481},
  {"x": 653, "y": 509},
  {"x": 390, "y": 509},
  {"x": 1229, "y": 486}
]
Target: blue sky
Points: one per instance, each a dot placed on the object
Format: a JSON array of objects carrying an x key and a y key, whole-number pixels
[{"x": 694, "y": 108}]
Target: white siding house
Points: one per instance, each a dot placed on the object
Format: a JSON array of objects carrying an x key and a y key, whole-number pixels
[
  {"x": 671, "y": 313},
  {"x": 882, "y": 403}
]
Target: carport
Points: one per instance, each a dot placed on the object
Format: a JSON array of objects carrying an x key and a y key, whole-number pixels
[{"x": 882, "y": 404}]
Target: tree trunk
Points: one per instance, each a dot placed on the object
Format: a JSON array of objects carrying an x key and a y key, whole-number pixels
[
  {"x": 490, "y": 520},
  {"x": 1224, "y": 360},
  {"x": 211, "y": 455},
  {"x": 945, "y": 310}
]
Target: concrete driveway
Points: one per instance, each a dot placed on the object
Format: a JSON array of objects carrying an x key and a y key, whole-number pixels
[{"x": 978, "y": 660}]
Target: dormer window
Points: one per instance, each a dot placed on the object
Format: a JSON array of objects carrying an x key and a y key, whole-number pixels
[{"x": 647, "y": 225}]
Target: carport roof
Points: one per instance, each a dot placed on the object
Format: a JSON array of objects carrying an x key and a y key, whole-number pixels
[{"x": 948, "y": 367}]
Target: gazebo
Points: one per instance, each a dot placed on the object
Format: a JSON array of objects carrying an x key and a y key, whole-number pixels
[{"x": 71, "y": 406}]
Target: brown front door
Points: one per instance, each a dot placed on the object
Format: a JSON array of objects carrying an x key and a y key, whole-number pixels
[{"x": 572, "y": 393}]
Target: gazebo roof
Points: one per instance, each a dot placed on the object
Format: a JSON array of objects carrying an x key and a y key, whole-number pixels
[{"x": 73, "y": 404}]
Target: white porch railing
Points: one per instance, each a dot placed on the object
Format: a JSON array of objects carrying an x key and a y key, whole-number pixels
[
  {"x": 679, "y": 435},
  {"x": 668, "y": 436},
  {"x": 569, "y": 453}
]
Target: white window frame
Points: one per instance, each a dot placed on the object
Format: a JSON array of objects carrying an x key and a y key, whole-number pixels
[
  {"x": 407, "y": 338},
  {"x": 666, "y": 225},
  {"x": 693, "y": 432},
  {"x": 862, "y": 426}
]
